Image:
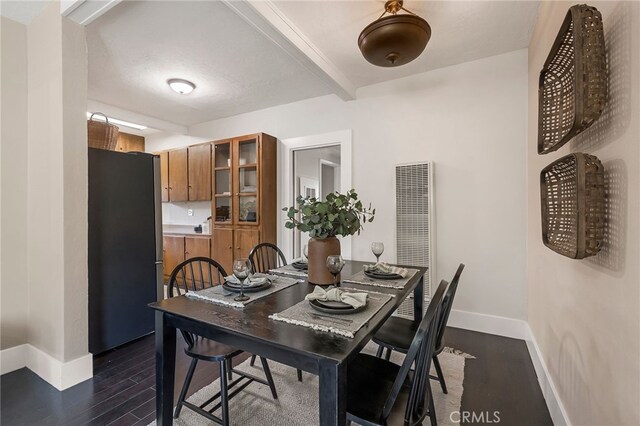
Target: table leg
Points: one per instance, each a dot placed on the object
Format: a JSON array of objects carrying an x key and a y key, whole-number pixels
[
  {"x": 333, "y": 394},
  {"x": 418, "y": 300},
  {"x": 165, "y": 370}
]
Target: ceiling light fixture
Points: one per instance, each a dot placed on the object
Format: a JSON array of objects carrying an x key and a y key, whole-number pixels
[
  {"x": 184, "y": 87},
  {"x": 118, "y": 122},
  {"x": 394, "y": 40}
]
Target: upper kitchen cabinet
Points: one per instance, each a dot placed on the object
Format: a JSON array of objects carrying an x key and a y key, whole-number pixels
[
  {"x": 178, "y": 175},
  {"x": 244, "y": 184},
  {"x": 186, "y": 173},
  {"x": 199, "y": 178},
  {"x": 129, "y": 143},
  {"x": 164, "y": 175}
]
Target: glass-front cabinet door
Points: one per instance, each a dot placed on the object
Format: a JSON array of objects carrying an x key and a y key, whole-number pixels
[
  {"x": 247, "y": 182},
  {"x": 222, "y": 182}
]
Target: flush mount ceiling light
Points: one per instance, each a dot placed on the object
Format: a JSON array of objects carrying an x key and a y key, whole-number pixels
[
  {"x": 391, "y": 41},
  {"x": 184, "y": 87}
]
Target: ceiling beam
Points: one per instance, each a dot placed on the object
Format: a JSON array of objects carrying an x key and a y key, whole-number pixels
[
  {"x": 84, "y": 12},
  {"x": 273, "y": 24}
]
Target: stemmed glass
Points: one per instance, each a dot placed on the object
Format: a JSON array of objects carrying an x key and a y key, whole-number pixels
[
  {"x": 377, "y": 248},
  {"x": 305, "y": 252},
  {"x": 335, "y": 263},
  {"x": 241, "y": 270}
]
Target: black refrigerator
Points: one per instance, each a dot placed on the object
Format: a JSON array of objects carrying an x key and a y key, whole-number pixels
[{"x": 125, "y": 246}]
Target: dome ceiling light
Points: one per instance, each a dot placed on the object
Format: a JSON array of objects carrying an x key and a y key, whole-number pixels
[
  {"x": 184, "y": 87},
  {"x": 391, "y": 41}
]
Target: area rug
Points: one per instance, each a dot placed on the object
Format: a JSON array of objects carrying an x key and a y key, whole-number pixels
[{"x": 297, "y": 403}]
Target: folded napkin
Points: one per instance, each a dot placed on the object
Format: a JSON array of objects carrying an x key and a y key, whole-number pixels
[
  {"x": 255, "y": 279},
  {"x": 336, "y": 295},
  {"x": 386, "y": 269}
]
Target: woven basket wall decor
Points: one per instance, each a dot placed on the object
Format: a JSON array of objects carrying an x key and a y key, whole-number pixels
[
  {"x": 572, "y": 89},
  {"x": 572, "y": 199},
  {"x": 102, "y": 134}
]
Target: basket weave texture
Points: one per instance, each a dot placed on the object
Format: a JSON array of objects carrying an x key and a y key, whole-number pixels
[
  {"x": 572, "y": 89},
  {"x": 573, "y": 205},
  {"x": 102, "y": 134}
]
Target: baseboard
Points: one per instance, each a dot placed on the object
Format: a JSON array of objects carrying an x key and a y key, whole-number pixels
[
  {"x": 13, "y": 359},
  {"x": 491, "y": 324},
  {"x": 554, "y": 403},
  {"x": 61, "y": 375}
]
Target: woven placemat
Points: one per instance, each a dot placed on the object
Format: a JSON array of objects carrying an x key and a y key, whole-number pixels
[
  {"x": 303, "y": 315},
  {"x": 220, "y": 296},
  {"x": 361, "y": 278},
  {"x": 289, "y": 270}
]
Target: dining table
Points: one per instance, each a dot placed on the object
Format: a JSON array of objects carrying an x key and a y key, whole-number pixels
[{"x": 250, "y": 329}]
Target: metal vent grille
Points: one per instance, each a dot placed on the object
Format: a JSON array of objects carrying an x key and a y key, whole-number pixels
[{"x": 414, "y": 223}]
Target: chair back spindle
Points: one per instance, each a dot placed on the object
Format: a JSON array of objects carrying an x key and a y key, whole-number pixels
[
  {"x": 266, "y": 256},
  {"x": 420, "y": 353},
  {"x": 447, "y": 304},
  {"x": 195, "y": 274}
]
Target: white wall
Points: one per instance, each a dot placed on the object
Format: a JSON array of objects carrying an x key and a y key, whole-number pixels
[
  {"x": 51, "y": 232},
  {"x": 470, "y": 119},
  {"x": 585, "y": 314},
  {"x": 177, "y": 213},
  {"x": 13, "y": 279}
]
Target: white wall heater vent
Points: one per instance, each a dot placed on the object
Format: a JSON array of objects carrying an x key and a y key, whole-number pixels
[{"x": 415, "y": 231}]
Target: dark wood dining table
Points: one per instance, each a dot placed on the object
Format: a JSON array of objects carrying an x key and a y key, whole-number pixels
[{"x": 250, "y": 329}]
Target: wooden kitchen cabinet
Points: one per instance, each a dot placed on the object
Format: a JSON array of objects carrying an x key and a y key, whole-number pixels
[
  {"x": 199, "y": 179},
  {"x": 222, "y": 248},
  {"x": 244, "y": 195},
  {"x": 164, "y": 175},
  {"x": 178, "y": 175},
  {"x": 244, "y": 240},
  {"x": 129, "y": 143},
  {"x": 197, "y": 247},
  {"x": 172, "y": 253}
]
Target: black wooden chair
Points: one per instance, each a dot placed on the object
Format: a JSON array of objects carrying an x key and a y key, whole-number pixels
[
  {"x": 263, "y": 258},
  {"x": 195, "y": 274},
  {"x": 397, "y": 333},
  {"x": 383, "y": 393}
]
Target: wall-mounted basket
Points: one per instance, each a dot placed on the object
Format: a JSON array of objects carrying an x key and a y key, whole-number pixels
[
  {"x": 572, "y": 88},
  {"x": 572, "y": 199},
  {"x": 102, "y": 134}
]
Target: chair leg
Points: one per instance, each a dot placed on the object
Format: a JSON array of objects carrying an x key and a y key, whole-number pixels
[
  {"x": 224, "y": 397},
  {"x": 253, "y": 360},
  {"x": 388, "y": 356},
  {"x": 379, "y": 352},
  {"x": 229, "y": 366},
  {"x": 267, "y": 373},
  {"x": 299, "y": 375},
  {"x": 432, "y": 407},
  {"x": 185, "y": 387},
  {"x": 436, "y": 364}
]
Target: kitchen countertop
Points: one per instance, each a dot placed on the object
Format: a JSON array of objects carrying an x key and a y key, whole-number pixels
[{"x": 182, "y": 230}]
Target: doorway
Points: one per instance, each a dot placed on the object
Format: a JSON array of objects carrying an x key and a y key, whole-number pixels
[{"x": 316, "y": 173}]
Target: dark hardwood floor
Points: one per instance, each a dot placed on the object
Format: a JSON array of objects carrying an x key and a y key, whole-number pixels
[{"x": 122, "y": 391}]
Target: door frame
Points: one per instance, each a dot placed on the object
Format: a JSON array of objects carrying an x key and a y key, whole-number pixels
[
  {"x": 328, "y": 163},
  {"x": 286, "y": 179}
]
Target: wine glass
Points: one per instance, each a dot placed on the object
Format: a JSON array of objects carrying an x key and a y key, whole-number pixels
[
  {"x": 305, "y": 252},
  {"x": 241, "y": 270},
  {"x": 377, "y": 248},
  {"x": 335, "y": 263}
]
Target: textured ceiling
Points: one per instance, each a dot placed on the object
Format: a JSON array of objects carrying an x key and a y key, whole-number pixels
[
  {"x": 21, "y": 11},
  {"x": 462, "y": 31},
  {"x": 136, "y": 46}
]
